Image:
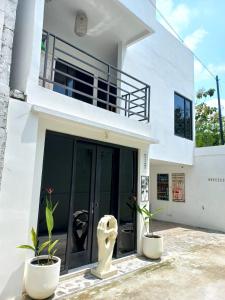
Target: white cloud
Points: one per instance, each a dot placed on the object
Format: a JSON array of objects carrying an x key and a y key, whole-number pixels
[
  {"x": 195, "y": 38},
  {"x": 201, "y": 74},
  {"x": 179, "y": 16},
  {"x": 217, "y": 69}
]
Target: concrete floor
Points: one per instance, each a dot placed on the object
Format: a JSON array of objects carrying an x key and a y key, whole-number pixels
[{"x": 197, "y": 271}]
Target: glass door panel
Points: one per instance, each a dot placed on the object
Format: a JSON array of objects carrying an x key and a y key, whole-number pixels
[
  {"x": 126, "y": 241},
  {"x": 105, "y": 190},
  {"x": 57, "y": 172},
  {"x": 82, "y": 205}
]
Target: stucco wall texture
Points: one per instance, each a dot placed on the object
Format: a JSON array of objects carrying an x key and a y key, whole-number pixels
[{"x": 7, "y": 25}]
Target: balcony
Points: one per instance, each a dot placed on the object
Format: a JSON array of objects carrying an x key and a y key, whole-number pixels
[{"x": 71, "y": 71}]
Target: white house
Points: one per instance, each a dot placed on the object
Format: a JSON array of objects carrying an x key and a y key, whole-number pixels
[{"x": 105, "y": 101}]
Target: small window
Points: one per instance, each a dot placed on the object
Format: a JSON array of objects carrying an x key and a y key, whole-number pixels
[
  {"x": 182, "y": 117},
  {"x": 163, "y": 187}
]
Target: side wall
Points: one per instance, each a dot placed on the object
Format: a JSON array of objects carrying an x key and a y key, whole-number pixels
[
  {"x": 204, "y": 190},
  {"x": 167, "y": 66},
  {"x": 7, "y": 25}
]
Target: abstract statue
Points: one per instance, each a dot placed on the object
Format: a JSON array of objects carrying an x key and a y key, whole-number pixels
[{"x": 106, "y": 234}]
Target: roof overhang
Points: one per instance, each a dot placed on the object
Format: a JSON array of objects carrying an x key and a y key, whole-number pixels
[
  {"x": 52, "y": 114},
  {"x": 108, "y": 20}
]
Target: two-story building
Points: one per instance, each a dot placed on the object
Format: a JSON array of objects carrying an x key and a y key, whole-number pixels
[{"x": 105, "y": 95}]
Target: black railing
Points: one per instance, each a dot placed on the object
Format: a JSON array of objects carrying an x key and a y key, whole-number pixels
[{"x": 72, "y": 71}]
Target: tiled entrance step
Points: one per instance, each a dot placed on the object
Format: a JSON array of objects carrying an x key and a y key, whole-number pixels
[{"x": 82, "y": 279}]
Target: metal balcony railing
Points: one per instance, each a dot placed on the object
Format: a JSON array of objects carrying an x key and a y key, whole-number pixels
[{"x": 72, "y": 71}]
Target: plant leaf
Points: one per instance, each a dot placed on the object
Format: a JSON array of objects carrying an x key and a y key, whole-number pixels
[
  {"x": 54, "y": 207},
  {"x": 53, "y": 253},
  {"x": 52, "y": 245},
  {"x": 34, "y": 238},
  {"x": 43, "y": 246},
  {"x": 49, "y": 220},
  {"x": 26, "y": 247},
  {"x": 158, "y": 210}
]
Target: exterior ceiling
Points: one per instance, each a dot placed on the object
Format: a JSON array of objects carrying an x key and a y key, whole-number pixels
[{"x": 108, "y": 20}]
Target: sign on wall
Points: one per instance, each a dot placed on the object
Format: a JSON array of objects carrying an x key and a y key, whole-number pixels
[
  {"x": 178, "y": 187},
  {"x": 217, "y": 179},
  {"x": 144, "y": 188}
]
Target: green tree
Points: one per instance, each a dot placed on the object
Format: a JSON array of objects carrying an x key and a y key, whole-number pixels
[
  {"x": 207, "y": 126},
  {"x": 207, "y": 129}
]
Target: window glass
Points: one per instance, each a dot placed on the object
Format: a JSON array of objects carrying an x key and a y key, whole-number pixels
[
  {"x": 179, "y": 116},
  {"x": 182, "y": 117},
  {"x": 188, "y": 120},
  {"x": 103, "y": 86},
  {"x": 77, "y": 84}
]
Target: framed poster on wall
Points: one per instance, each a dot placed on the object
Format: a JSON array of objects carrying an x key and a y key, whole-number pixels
[
  {"x": 178, "y": 187},
  {"x": 163, "y": 187},
  {"x": 144, "y": 188}
]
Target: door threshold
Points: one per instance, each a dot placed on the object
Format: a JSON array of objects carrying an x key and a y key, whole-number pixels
[{"x": 86, "y": 268}]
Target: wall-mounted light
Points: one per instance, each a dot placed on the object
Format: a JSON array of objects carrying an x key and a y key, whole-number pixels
[{"x": 81, "y": 24}]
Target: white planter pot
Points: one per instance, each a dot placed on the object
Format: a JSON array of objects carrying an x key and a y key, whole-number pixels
[
  {"x": 152, "y": 246},
  {"x": 41, "y": 281}
]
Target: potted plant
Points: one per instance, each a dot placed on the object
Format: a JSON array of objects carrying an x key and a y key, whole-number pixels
[
  {"x": 152, "y": 243},
  {"x": 42, "y": 272}
]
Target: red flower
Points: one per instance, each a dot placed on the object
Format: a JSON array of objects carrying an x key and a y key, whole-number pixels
[{"x": 49, "y": 190}]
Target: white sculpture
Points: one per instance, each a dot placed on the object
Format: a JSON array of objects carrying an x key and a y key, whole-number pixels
[{"x": 106, "y": 234}]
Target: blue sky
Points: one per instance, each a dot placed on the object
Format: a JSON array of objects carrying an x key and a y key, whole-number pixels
[{"x": 201, "y": 23}]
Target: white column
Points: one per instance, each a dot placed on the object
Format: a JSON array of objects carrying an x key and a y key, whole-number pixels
[{"x": 143, "y": 170}]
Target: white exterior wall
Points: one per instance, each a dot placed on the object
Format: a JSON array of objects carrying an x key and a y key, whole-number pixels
[
  {"x": 158, "y": 60},
  {"x": 204, "y": 204},
  {"x": 161, "y": 61},
  {"x": 22, "y": 180},
  {"x": 142, "y": 9}
]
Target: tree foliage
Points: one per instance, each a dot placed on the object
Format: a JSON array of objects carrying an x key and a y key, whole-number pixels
[
  {"x": 207, "y": 126},
  {"x": 202, "y": 93}
]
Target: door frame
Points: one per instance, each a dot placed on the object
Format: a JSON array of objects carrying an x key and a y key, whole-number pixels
[{"x": 95, "y": 143}]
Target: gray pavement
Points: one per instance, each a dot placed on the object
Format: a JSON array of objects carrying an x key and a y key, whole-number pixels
[{"x": 197, "y": 271}]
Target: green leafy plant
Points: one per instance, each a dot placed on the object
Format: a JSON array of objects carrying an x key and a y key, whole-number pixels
[
  {"x": 36, "y": 247},
  {"x": 146, "y": 214},
  {"x": 147, "y": 217},
  {"x": 49, "y": 210}
]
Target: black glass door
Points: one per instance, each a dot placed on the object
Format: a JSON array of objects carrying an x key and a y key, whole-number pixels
[
  {"x": 89, "y": 181},
  {"x": 82, "y": 205},
  {"x": 57, "y": 173},
  {"x": 93, "y": 195}
]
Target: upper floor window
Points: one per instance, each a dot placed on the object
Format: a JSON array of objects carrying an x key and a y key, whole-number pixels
[
  {"x": 73, "y": 81},
  {"x": 182, "y": 116}
]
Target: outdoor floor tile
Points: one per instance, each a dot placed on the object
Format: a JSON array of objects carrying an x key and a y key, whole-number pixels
[{"x": 77, "y": 283}]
